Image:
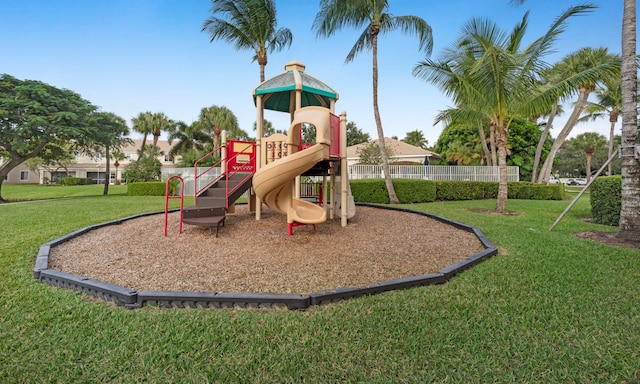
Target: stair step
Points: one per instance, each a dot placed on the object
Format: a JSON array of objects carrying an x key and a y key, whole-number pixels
[{"x": 208, "y": 201}]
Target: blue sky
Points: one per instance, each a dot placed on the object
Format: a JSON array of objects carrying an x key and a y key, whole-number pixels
[{"x": 131, "y": 56}]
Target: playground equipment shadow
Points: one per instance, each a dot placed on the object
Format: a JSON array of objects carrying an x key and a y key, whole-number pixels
[{"x": 254, "y": 264}]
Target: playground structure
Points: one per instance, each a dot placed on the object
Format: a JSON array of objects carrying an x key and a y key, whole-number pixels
[{"x": 271, "y": 168}]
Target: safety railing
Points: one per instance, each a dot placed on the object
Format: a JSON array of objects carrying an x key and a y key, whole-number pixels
[{"x": 232, "y": 166}]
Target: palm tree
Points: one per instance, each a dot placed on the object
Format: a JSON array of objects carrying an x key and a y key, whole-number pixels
[
  {"x": 374, "y": 16},
  {"x": 143, "y": 123},
  {"x": 555, "y": 109},
  {"x": 589, "y": 142},
  {"x": 216, "y": 119},
  {"x": 629, "y": 227},
  {"x": 159, "y": 123},
  {"x": 605, "y": 66},
  {"x": 609, "y": 103},
  {"x": 416, "y": 138},
  {"x": 117, "y": 157},
  {"x": 488, "y": 72},
  {"x": 249, "y": 24},
  {"x": 188, "y": 137}
]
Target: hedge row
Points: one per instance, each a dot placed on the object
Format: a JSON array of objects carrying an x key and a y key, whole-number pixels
[
  {"x": 606, "y": 200},
  {"x": 424, "y": 191},
  {"x": 148, "y": 188},
  {"x": 74, "y": 181}
]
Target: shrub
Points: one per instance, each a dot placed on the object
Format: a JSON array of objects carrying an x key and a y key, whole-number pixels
[
  {"x": 369, "y": 191},
  {"x": 74, "y": 181},
  {"x": 149, "y": 188},
  {"x": 606, "y": 200},
  {"x": 459, "y": 190},
  {"x": 415, "y": 191},
  {"x": 424, "y": 191},
  {"x": 143, "y": 169}
]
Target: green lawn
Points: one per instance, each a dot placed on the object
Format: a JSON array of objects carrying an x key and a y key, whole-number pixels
[{"x": 551, "y": 308}]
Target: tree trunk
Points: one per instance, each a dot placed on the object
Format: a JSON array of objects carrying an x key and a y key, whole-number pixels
[
  {"x": 107, "y": 172},
  {"x": 613, "y": 118},
  {"x": 492, "y": 140},
  {"x": 501, "y": 143},
  {"x": 543, "y": 139},
  {"x": 152, "y": 155},
  {"x": 589, "y": 156},
  {"x": 393, "y": 198},
  {"x": 629, "y": 227},
  {"x": 483, "y": 142},
  {"x": 547, "y": 167},
  {"x": 216, "y": 136},
  {"x": 144, "y": 143}
]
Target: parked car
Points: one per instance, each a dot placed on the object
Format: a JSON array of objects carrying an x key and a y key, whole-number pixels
[
  {"x": 553, "y": 180},
  {"x": 581, "y": 181},
  {"x": 572, "y": 182}
]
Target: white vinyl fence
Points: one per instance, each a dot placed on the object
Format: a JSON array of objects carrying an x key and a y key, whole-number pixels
[
  {"x": 187, "y": 176},
  {"x": 434, "y": 172},
  {"x": 425, "y": 172}
]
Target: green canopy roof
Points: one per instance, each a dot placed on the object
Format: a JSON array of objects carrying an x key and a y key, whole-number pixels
[{"x": 278, "y": 93}]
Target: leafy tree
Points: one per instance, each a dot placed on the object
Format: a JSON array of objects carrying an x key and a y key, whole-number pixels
[
  {"x": 374, "y": 16},
  {"x": 520, "y": 151},
  {"x": 370, "y": 153},
  {"x": 416, "y": 138},
  {"x": 268, "y": 129},
  {"x": 57, "y": 155},
  {"x": 249, "y": 24},
  {"x": 602, "y": 66},
  {"x": 33, "y": 115},
  {"x": 355, "y": 135},
  {"x": 487, "y": 73},
  {"x": 143, "y": 169},
  {"x": 460, "y": 145},
  {"x": 111, "y": 134},
  {"x": 578, "y": 154}
]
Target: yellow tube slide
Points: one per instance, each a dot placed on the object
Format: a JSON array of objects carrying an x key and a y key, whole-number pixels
[{"x": 273, "y": 184}]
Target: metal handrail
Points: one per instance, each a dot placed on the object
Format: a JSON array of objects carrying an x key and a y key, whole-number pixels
[{"x": 226, "y": 173}]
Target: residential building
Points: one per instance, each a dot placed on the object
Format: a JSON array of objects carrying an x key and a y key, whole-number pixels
[
  {"x": 89, "y": 167},
  {"x": 402, "y": 152}
]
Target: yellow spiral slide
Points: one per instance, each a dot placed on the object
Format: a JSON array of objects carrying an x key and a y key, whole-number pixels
[{"x": 273, "y": 184}]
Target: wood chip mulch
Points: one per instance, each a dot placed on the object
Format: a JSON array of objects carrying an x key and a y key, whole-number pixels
[{"x": 258, "y": 256}]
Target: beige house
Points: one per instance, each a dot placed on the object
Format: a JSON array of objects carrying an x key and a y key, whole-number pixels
[
  {"x": 88, "y": 167},
  {"x": 403, "y": 153}
]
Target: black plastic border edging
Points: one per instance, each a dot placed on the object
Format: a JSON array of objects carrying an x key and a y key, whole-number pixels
[{"x": 174, "y": 299}]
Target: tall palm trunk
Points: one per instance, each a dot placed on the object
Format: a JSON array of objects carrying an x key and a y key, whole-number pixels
[
  {"x": 543, "y": 139},
  {"x": 613, "y": 119},
  {"x": 156, "y": 137},
  {"x": 629, "y": 228},
  {"x": 144, "y": 143},
  {"x": 589, "y": 157},
  {"x": 547, "y": 167},
  {"x": 393, "y": 198}
]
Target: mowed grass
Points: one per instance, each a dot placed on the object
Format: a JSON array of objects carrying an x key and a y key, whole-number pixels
[
  {"x": 26, "y": 192},
  {"x": 550, "y": 308}
]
